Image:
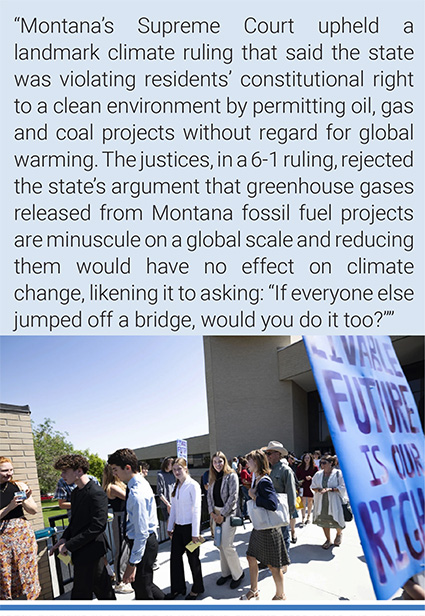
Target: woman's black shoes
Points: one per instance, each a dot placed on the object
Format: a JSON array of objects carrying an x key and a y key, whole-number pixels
[
  {"x": 222, "y": 580},
  {"x": 237, "y": 583},
  {"x": 192, "y": 596},
  {"x": 173, "y": 595},
  {"x": 233, "y": 584}
]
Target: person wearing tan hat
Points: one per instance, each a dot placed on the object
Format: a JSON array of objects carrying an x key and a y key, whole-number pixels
[{"x": 284, "y": 482}]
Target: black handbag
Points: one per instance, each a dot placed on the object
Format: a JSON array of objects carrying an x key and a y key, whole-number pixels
[
  {"x": 346, "y": 510},
  {"x": 236, "y": 520}
]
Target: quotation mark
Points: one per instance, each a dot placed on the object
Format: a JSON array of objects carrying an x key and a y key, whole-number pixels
[{"x": 381, "y": 315}]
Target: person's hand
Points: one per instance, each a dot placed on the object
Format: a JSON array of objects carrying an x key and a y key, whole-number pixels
[
  {"x": 62, "y": 549},
  {"x": 196, "y": 539},
  {"x": 308, "y": 478},
  {"x": 170, "y": 533},
  {"x": 56, "y": 546},
  {"x": 16, "y": 501},
  {"x": 252, "y": 493},
  {"x": 53, "y": 549},
  {"x": 219, "y": 519},
  {"x": 129, "y": 574},
  {"x": 168, "y": 508}
]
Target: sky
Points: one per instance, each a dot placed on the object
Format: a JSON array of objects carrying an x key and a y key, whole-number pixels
[{"x": 109, "y": 392}]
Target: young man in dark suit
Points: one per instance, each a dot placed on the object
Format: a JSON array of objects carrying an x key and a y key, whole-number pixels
[{"x": 84, "y": 536}]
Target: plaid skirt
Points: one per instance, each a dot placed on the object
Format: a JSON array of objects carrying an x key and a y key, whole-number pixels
[
  {"x": 268, "y": 547},
  {"x": 18, "y": 560}
]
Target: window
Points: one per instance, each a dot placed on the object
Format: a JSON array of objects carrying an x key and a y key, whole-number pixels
[
  {"x": 197, "y": 460},
  {"x": 415, "y": 377},
  {"x": 318, "y": 429}
]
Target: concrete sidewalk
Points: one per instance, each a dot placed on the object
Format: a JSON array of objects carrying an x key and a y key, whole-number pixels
[{"x": 315, "y": 575}]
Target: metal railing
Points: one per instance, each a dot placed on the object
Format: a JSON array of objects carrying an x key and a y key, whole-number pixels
[{"x": 65, "y": 573}]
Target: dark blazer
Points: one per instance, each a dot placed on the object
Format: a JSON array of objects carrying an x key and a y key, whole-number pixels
[
  {"x": 266, "y": 494},
  {"x": 84, "y": 536}
]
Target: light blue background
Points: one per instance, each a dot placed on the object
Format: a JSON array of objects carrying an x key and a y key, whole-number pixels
[{"x": 407, "y": 317}]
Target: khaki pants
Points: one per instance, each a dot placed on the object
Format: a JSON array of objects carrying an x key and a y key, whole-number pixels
[{"x": 229, "y": 559}]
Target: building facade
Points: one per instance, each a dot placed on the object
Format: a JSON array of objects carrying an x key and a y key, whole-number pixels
[
  {"x": 261, "y": 388},
  {"x": 198, "y": 456}
]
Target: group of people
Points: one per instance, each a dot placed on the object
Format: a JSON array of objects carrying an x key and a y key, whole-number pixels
[
  {"x": 264, "y": 473},
  {"x": 267, "y": 475},
  {"x": 180, "y": 498},
  {"x": 313, "y": 480},
  {"x": 321, "y": 485}
]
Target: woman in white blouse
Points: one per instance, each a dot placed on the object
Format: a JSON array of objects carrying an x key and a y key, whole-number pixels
[{"x": 183, "y": 527}]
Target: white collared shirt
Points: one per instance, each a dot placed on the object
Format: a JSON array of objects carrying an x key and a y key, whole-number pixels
[{"x": 186, "y": 506}]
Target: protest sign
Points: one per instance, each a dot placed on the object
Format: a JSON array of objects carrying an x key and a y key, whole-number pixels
[
  {"x": 376, "y": 431},
  {"x": 182, "y": 449}
]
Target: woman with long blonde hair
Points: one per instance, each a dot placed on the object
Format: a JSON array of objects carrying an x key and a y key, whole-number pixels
[
  {"x": 18, "y": 547},
  {"x": 116, "y": 491},
  {"x": 183, "y": 527},
  {"x": 222, "y": 499}
]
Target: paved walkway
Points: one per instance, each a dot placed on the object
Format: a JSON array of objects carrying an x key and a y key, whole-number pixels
[{"x": 315, "y": 575}]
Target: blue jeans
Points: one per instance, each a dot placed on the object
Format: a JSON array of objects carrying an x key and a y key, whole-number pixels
[
  {"x": 286, "y": 537},
  {"x": 246, "y": 498}
]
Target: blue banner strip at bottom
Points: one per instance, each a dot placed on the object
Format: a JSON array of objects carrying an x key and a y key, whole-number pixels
[{"x": 400, "y": 606}]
